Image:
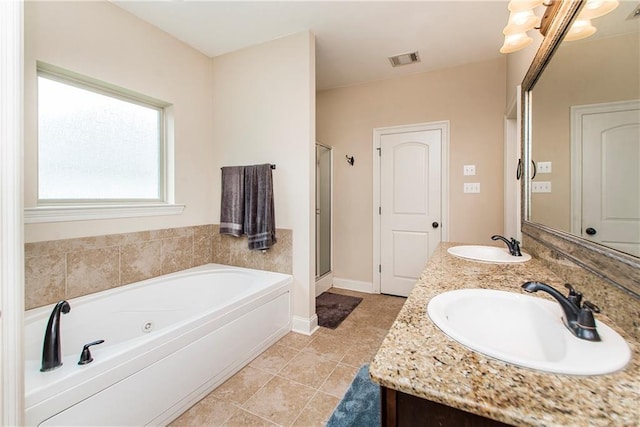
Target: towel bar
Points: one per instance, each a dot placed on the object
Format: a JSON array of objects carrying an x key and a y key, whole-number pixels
[{"x": 272, "y": 166}]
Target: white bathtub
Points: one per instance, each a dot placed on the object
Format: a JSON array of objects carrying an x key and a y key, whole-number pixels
[{"x": 168, "y": 342}]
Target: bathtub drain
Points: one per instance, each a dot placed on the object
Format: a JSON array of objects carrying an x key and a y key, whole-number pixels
[{"x": 147, "y": 326}]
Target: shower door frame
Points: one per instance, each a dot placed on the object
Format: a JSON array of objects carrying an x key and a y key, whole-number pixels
[{"x": 325, "y": 281}]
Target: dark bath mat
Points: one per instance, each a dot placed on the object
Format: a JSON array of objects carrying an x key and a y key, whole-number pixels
[{"x": 332, "y": 309}]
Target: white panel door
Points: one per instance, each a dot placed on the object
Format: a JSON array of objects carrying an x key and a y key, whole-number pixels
[
  {"x": 611, "y": 179},
  {"x": 410, "y": 211}
]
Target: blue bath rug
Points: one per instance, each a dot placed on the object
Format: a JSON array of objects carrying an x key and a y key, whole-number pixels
[{"x": 360, "y": 405}]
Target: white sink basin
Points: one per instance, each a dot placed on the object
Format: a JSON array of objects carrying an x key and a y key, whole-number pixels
[
  {"x": 487, "y": 254},
  {"x": 526, "y": 331}
]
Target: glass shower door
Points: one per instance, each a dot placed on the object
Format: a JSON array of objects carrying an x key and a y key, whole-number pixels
[{"x": 323, "y": 210}]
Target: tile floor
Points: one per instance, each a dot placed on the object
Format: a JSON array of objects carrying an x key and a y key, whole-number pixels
[{"x": 299, "y": 380}]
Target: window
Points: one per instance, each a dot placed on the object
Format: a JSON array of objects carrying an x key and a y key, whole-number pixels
[
  {"x": 97, "y": 144},
  {"x": 103, "y": 151}
]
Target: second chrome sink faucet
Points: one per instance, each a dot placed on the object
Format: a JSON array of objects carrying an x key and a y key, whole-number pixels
[
  {"x": 578, "y": 315},
  {"x": 513, "y": 245}
]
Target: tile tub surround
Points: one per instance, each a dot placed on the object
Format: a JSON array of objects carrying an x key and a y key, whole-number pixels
[
  {"x": 64, "y": 269},
  {"x": 418, "y": 359},
  {"x": 231, "y": 250}
]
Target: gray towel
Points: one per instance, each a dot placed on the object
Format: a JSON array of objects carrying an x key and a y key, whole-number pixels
[
  {"x": 259, "y": 218},
  {"x": 232, "y": 203}
]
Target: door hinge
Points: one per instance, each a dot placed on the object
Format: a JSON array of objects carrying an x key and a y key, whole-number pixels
[
  {"x": 379, "y": 151},
  {"x": 379, "y": 210},
  {"x": 379, "y": 268}
]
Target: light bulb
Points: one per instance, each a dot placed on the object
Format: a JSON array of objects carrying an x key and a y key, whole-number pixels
[
  {"x": 596, "y": 8},
  {"x": 515, "y": 42},
  {"x": 520, "y": 22},
  {"x": 580, "y": 29}
]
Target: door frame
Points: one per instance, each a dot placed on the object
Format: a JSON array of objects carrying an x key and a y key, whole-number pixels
[
  {"x": 577, "y": 114},
  {"x": 11, "y": 215},
  {"x": 443, "y": 126},
  {"x": 512, "y": 150}
]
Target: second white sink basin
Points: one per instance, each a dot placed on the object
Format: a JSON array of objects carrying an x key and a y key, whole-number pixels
[
  {"x": 487, "y": 254},
  {"x": 526, "y": 331}
]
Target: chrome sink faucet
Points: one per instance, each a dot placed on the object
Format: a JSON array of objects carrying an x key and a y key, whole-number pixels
[
  {"x": 513, "y": 245},
  {"x": 578, "y": 315},
  {"x": 51, "y": 350}
]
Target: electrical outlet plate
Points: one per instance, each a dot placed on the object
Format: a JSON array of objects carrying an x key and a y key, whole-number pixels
[
  {"x": 469, "y": 170},
  {"x": 471, "y": 187},
  {"x": 541, "y": 187},
  {"x": 544, "y": 167}
]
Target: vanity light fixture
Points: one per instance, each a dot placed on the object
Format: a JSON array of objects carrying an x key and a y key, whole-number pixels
[{"x": 522, "y": 18}]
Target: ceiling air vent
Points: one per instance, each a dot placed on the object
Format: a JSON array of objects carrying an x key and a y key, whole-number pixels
[{"x": 404, "y": 59}]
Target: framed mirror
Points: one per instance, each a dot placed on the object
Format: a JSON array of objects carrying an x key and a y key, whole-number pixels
[{"x": 581, "y": 144}]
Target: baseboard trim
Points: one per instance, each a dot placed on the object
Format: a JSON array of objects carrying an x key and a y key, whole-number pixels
[
  {"x": 304, "y": 326},
  {"x": 353, "y": 285}
]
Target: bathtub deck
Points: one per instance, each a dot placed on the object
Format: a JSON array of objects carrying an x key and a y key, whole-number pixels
[{"x": 299, "y": 380}]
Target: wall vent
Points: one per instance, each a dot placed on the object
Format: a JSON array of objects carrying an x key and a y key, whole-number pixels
[{"x": 404, "y": 59}]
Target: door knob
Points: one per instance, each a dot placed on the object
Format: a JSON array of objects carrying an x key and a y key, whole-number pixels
[
  {"x": 590, "y": 231},
  {"x": 435, "y": 224}
]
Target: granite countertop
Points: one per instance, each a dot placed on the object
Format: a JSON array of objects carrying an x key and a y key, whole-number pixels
[{"x": 419, "y": 359}]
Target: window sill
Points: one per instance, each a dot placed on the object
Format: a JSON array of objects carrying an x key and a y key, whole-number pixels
[{"x": 86, "y": 213}]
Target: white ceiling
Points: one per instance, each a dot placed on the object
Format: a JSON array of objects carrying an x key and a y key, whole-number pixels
[{"x": 353, "y": 38}]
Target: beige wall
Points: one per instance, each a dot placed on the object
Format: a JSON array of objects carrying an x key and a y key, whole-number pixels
[
  {"x": 100, "y": 40},
  {"x": 264, "y": 112},
  {"x": 252, "y": 106},
  {"x": 471, "y": 97},
  {"x": 580, "y": 73}
]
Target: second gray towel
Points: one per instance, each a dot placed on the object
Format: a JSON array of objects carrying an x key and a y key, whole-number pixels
[{"x": 259, "y": 217}]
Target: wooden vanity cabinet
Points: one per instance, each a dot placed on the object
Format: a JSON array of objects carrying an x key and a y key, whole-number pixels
[{"x": 402, "y": 409}]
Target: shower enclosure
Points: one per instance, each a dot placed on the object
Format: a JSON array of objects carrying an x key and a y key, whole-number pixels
[{"x": 323, "y": 217}]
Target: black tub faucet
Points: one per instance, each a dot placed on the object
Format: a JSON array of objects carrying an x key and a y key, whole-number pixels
[
  {"x": 513, "y": 245},
  {"x": 51, "y": 350},
  {"x": 578, "y": 316}
]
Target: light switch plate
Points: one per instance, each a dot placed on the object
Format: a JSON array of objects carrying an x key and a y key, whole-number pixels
[
  {"x": 469, "y": 170},
  {"x": 541, "y": 187},
  {"x": 471, "y": 187}
]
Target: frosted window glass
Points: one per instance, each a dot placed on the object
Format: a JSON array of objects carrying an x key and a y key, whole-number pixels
[{"x": 96, "y": 147}]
